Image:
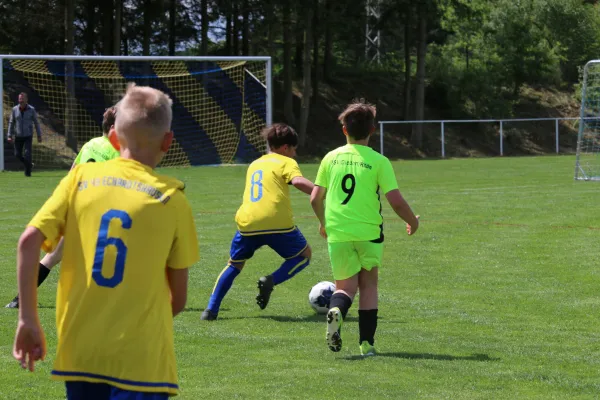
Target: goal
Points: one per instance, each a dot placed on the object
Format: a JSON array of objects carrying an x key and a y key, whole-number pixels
[
  {"x": 220, "y": 105},
  {"x": 587, "y": 164}
]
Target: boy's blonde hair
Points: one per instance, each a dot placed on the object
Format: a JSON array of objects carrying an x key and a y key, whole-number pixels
[{"x": 144, "y": 111}]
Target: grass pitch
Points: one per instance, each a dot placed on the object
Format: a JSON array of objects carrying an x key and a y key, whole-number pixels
[{"x": 496, "y": 296}]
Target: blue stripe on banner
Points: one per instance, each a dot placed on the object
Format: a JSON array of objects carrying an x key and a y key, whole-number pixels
[
  {"x": 219, "y": 85},
  {"x": 116, "y": 380},
  {"x": 189, "y": 134},
  {"x": 87, "y": 94}
]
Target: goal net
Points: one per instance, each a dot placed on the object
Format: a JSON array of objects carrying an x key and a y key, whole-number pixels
[
  {"x": 220, "y": 105},
  {"x": 587, "y": 165}
]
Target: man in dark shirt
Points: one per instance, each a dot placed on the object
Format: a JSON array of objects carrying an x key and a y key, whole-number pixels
[{"x": 20, "y": 131}]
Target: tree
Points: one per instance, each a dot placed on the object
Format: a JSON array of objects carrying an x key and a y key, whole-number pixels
[
  {"x": 417, "y": 132},
  {"x": 306, "y": 86}
]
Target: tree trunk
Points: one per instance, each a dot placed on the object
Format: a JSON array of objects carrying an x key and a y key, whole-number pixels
[
  {"x": 270, "y": 17},
  {"x": 316, "y": 37},
  {"x": 228, "y": 30},
  {"x": 107, "y": 26},
  {"x": 204, "y": 27},
  {"x": 147, "y": 27},
  {"x": 117, "y": 27},
  {"x": 417, "y": 132},
  {"x": 235, "y": 14},
  {"x": 90, "y": 26},
  {"x": 407, "y": 63},
  {"x": 327, "y": 56},
  {"x": 307, "y": 75},
  {"x": 245, "y": 28},
  {"x": 288, "y": 100},
  {"x": 299, "y": 41},
  {"x": 172, "y": 35},
  {"x": 70, "y": 138}
]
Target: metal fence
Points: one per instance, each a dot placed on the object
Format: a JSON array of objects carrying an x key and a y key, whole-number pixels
[{"x": 501, "y": 122}]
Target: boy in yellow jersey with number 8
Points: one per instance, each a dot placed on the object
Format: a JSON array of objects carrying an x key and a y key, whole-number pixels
[
  {"x": 346, "y": 199},
  {"x": 265, "y": 219},
  {"x": 130, "y": 238}
]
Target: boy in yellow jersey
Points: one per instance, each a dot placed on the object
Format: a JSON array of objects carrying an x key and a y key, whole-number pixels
[
  {"x": 265, "y": 219},
  {"x": 96, "y": 150},
  {"x": 129, "y": 240},
  {"x": 346, "y": 199}
]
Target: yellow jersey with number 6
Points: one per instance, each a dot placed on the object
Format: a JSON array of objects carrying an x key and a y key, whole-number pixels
[
  {"x": 266, "y": 207},
  {"x": 123, "y": 226}
]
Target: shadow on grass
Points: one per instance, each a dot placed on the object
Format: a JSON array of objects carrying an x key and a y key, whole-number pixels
[
  {"x": 195, "y": 309},
  {"x": 429, "y": 356}
]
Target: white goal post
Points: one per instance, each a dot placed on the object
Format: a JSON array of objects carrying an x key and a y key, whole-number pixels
[
  {"x": 220, "y": 104},
  {"x": 587, "y": 164}
]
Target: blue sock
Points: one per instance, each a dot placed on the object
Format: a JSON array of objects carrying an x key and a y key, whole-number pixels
[
  {"x": 224, "y": 282},
  {"x": 289, "y": 268}
]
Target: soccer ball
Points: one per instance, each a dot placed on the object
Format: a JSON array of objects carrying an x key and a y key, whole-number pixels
[{"x": 320, "y": 295}]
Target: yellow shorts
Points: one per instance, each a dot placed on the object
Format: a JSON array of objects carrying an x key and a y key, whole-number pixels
[{"x": 348, "y": 258}]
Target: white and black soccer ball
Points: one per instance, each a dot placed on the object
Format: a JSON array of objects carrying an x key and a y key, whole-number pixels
[{"x": 320, "y": 295}]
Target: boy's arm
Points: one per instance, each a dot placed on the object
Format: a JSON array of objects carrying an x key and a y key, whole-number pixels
[
  {"x": 317, "y": 201},
  {"x": 30, "y": 343},
  {"x": 302, "y": 184},
  {"x": 37, "y": 126},
  {"x": 401, "y": 207},
  {"x": 178, "y": 283}
]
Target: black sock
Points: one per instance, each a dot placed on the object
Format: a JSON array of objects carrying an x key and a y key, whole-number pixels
[
  {"x": 341, "y": 301},
  {"x": 367, "y": 325},
  {"x": 42, "y": 274}
]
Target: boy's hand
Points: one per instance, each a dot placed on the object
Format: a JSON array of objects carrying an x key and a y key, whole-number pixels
[
  {"x": 322, "y": 231},
  {"x": 411, "y": 229},
  {"x": 30, "y": 344}
]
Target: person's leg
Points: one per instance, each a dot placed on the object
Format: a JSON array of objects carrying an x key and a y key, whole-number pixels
[
  {"x": 242, "y": 249},
  {"x": 291, "y": 246},
  {"x": 370, "y": 255},
  {"x": 18, "y": 145},
  {"x": 27, "y": 155},
  {"x": 49, "y": 261},
  {"x": 80, "y": 390},
  {"x": 122, "y": 394},
  {"x": 345, "y": 266}
]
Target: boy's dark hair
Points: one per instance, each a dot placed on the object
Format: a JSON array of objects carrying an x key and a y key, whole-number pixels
[
  {"x": 279, "y": 134},
  {"x": 108, "y": 119},
  {"x": 359, "y": 119}
]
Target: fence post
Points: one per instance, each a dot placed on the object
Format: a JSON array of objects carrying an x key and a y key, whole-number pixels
[
  {"x": 443, "y": 147},
  {"x": 556, "y": 131},
  {"x": 501, "y": 139},
  {"x": 381, "y": 138}
]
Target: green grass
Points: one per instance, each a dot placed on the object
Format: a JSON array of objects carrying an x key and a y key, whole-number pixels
[{"x": 496, "y": 296}]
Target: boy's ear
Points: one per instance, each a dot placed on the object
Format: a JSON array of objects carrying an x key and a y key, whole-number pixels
[
  {"x": 372, "y": 131},
  {"x": 344, "y": 130},
  {"x": 114, "y": 140},
  {"x": 167, "y": 141}
]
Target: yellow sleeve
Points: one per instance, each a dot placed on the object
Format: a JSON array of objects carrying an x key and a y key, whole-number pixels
[
  {"x": 291, "y": 170},
  {"x": 184, "y": 250},
  {"x": 51, "y": 218}
]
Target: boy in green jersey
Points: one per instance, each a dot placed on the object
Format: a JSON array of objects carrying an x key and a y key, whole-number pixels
[
  {"x": 98, "y": 149},
  {"x": 346, "y": 199}
]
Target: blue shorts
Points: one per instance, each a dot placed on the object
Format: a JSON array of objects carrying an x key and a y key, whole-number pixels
[
  {"x": 287, "y": 245},
  {"x": 80, "y": 390}
]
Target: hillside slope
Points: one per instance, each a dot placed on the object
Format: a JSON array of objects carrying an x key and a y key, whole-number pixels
[{"x": 461, "y": 139}]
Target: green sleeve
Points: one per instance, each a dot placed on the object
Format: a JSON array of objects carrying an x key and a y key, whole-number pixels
[
  {"x": 78, "y": 158},
  {"x": 386, "y": 177},
  {"x": 323, "y": 174}
]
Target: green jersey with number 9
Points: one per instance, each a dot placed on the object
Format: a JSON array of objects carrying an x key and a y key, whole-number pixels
[{"x": 354, "y": 176}]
